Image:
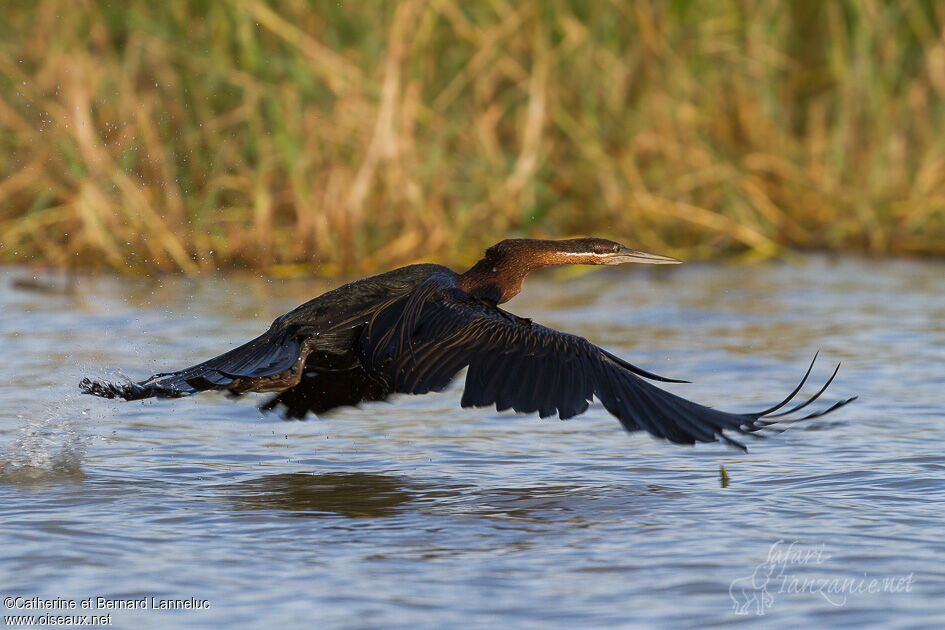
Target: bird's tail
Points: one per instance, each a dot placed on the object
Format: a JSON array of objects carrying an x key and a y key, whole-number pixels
[
  {"x": 236, "y": 370},
  {"x": 128, "y": 390}
]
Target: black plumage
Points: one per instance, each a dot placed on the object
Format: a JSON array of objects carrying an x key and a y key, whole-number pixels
[{"x": 412, "y": 330}]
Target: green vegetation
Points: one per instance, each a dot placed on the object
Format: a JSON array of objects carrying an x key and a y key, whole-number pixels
[{"x": 342, "y": 137}]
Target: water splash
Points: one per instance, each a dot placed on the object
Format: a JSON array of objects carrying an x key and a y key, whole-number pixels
[{"x": 49, "y": 446}]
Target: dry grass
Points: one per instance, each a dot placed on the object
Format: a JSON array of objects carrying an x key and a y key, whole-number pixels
[{"x": 195, "y": 135}]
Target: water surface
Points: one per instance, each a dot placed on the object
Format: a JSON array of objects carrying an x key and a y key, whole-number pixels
[{"x": 418, "y": 513}]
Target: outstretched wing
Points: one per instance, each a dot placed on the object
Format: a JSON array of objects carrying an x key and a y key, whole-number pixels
[
  {"x": 420, "y": 341},
  {"x": 255, "y": 365},
  {"x": 324, "y": 328}
]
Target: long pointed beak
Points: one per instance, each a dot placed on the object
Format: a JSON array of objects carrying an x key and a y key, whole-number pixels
[{"x": 627, "y": 255}]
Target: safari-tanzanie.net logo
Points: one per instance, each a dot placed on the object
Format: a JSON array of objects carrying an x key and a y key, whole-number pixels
[{"x": 793, "y": 569}]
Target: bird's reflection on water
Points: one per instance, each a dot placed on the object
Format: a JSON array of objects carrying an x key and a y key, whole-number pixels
[
  {"x": 374, "y": 495},
  {"x": 355, "y": 495}
]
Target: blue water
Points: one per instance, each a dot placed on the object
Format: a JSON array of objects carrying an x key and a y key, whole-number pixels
[{"x": 418, "y": 513}]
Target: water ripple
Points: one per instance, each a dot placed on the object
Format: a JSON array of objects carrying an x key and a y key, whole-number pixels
[{"x": 422, "y": 514}]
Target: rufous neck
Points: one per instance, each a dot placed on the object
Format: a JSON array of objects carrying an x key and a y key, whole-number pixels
[{"x": 497, "y": 279}]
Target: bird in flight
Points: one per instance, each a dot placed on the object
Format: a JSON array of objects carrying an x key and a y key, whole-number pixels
[{"x": 411, "y": 330}]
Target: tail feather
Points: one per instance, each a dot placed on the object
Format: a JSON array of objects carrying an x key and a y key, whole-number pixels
[
  {"x": 128, "y": 390},
  {"x": 269, "y": 354}
]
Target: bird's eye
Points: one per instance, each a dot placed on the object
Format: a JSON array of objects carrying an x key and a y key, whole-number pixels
[{"x": 616, "y": 248}]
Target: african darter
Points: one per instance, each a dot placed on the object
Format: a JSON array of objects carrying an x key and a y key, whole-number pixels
[{"x": 411, "y": 330}]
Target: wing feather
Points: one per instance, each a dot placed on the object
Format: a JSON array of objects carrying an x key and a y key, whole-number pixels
[
  {"x": 269, "y": 354},
  {"x": 420, "y": 341}
]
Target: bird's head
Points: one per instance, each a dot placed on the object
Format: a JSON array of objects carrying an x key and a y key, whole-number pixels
[
  {"x": 498, "y": 276},
  {"x": 574, "y": 251}
]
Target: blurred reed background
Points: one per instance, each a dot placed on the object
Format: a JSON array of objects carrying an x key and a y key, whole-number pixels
[{"x": 344, "y": 137}]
